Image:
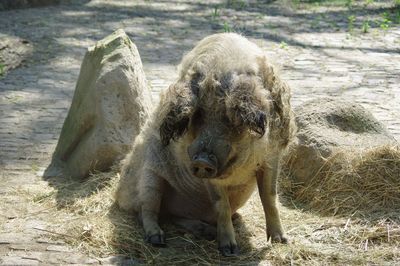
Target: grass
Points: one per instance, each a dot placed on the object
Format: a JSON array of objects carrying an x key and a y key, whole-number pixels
[
  {"x": 365, "y": 26},
  {"x": 319, "y": 233},
  {"x": 351, "y": 20},
  {"x": 215, "y": 13},
  {"x": 2, "y": 69},
  {"x": 236, "y": 4},
  {"x": 386, "y": 21},
  {"x": 317, "y": 3},
  {"x": 219, "y": 21},
  {"x": 339, "y": 3},
  {"x": 283, "y": 45},
  {"x": 361, "y": 16},
  {"x": 222, "y": 23},
  {"x": 227, "y": 27},
  {"x": 359, "y": 19}
]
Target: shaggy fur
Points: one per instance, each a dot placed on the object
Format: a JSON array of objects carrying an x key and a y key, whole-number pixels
[{"x": 229, "y": 96}]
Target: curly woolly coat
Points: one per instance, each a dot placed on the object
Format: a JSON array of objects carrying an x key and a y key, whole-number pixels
[{"x": 228, "y": 82}]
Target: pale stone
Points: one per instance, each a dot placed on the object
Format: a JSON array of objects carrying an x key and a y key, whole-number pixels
[
  {"x": 112, "y": 100},
  {"x": 327, "y": 125}
]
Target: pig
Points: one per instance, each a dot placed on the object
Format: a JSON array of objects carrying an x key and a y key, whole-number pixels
[{"x": 217, "y": 133}]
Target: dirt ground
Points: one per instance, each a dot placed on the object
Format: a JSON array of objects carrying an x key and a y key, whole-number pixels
[{"x": 349, "y": 50}]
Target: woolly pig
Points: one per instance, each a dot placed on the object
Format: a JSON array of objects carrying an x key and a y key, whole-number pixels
[{"x": 217, "y": 133}]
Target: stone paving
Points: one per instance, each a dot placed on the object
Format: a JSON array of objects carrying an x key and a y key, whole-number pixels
[{"x": 313, "y": 48}]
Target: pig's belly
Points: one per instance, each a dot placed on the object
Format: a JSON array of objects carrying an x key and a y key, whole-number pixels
[
  {"x": 198, "y": 205},
  {"x": 238, "y": 195},
  {"x": 195, "y": 205}
]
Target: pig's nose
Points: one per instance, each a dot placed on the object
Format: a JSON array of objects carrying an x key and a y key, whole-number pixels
[{"x": 204, "y": 166}]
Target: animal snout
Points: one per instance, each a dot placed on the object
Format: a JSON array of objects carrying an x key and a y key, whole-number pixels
[{"x": 204, "y": 165}]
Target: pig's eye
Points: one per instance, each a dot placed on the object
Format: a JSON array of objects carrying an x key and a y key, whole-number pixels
[
  {"x": 255, "y": 121},
  {"x": 225, "y": 120},
  {"x": 197, "y": 118}
]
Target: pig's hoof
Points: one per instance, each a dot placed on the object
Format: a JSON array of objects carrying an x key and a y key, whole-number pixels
[
  {"x": 277, "y": 238},
  {"x": 229, "y": 250},
  {"x": 157, "y": 240}
]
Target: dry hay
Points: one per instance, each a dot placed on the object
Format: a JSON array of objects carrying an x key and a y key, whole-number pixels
[
  {"x": 362, "y": 183},
  {"x": 83, "y": 215},
  {"x": 88, "y": 219}
]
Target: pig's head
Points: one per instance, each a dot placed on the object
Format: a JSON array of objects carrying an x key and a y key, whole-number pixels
[{"x": 215, "y": 124}]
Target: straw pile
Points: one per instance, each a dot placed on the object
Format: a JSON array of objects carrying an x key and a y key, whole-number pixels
[
  {"x": 96, "y": 226},
  {"x": 364, "y": 183},
  {"x": 86, "y": 217}
]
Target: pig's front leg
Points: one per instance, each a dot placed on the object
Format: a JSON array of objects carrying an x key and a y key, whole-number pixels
[
  {"x": 266, "y": 181},
  {"x": 151, "y": 191},
  {"x": 225, "y": 232}
]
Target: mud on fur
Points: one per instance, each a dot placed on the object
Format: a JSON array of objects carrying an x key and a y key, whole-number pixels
[{"x": 218, "y": 132}]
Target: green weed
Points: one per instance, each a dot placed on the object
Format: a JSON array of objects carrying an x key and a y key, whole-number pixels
[
  {"x": 2, "y": 69},
  {"x": 35, "y": 167},
  {"x": 397, "y": 17},
  {"x": 283, "y": 45},
  {"x": 386, "y": 21},
  {"x": 385, "y": 24},
  {"x": 227, "y": 27},
  {"x": 216, "y": 13},
  {"x": 349, "y": 3},
  {"x": 351, "y": 20},
  {"x": 365, "y": 26},
  {"x": 236, "y": 4}
]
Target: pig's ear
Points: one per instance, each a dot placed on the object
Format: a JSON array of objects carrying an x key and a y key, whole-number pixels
[
  {"x": 176, "y": 108},
  {"x": 280, "y": 116}
]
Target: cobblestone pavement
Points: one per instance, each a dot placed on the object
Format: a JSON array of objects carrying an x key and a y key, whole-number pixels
[{"x": 314, "y": 49}]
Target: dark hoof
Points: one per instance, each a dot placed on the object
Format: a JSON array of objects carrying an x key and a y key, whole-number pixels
[
  {"x": 279, "y": 239},
  {"x": 229, "y": 251},
  {"x": 156, "y": 240}
]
